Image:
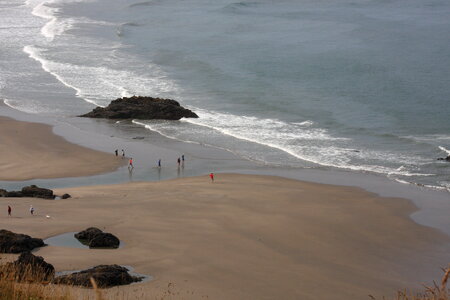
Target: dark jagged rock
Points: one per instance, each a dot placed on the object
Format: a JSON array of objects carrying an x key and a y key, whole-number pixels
[
  {"x": 146, "y": 108},
  {"x": 11, "y": 242},
  {"x": 29, "y": 191},
  {"x": 34, "y": 191},
  {"x": 29, "y": 268},
  {"x": 14, "y": 194},
  {"x": 104, "y": 240},
  {"x": 87, "y": 235},
  {"x": 65, "y": 196},
  {"x": 445, "y": 158},
  {"x": 95, "y": 238},
  {"x": 104, "y": 276}
]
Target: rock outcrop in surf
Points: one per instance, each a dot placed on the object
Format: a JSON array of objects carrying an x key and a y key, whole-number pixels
[
  {"x": 445, "y": 158},
  {"x": 144, "y": 108}
]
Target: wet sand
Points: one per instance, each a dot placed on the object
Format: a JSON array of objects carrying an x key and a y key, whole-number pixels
[
  {"x": 31, "y": 150},
  {"x": 241, "y": 237}
]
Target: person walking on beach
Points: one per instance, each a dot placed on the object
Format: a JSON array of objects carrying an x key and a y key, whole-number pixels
[
  {"x": 130, "y": 165},
  {"x": 178, "y": 161},
  {"x": 31, "y": 210},
  {"x": 211, "y": 175},
  {"x": 9, "y": 210},
  {"x": 123, "y": 153},
  {"x": 159, "y": 163},
  {"x": 182, "y": 158},
  {"x": 117, "y": 152}
]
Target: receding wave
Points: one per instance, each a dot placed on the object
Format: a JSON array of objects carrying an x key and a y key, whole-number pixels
[
  {"x": 54, "y": 26},
  {"x": 144, "y": 3},
  {"x": 120, "y": 29},
  {"x": 100, "y": 85},
  {"x": 57, "y": 25}
]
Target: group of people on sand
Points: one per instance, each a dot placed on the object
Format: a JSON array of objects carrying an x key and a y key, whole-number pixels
[
  {"x": 180, "y": 163},
  {"x": 10, "y": 210}
]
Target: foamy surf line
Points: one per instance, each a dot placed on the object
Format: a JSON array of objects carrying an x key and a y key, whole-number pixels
[
  {"x": 445, "y": 150},
  {"x": 33, "y": 52},
  {"x": 53, "y": 27},
  {"x": 274, "y": 126}
]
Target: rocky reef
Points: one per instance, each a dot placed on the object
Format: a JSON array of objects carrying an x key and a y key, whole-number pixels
[{"x": 144, "y": 108}]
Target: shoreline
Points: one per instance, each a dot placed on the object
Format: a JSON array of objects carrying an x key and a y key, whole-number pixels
[
  {"x": 242, "y": 237},
  {"x": 105, "y": 136},
  {"x": 32, "y": 151}
]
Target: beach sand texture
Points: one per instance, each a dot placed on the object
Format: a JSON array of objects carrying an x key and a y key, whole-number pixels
[
  {"x": 31, "y": 150},
  {"x": 241, "y": 237}
]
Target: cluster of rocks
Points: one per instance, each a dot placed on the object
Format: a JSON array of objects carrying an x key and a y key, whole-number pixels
[
  {"x": 11, "y": 242},
  {"x": 145, "y": 108},
  {"x": 95, "y": 238},
  {"x": 32, "y": 191},
  {"x": 31, "y": 268}
]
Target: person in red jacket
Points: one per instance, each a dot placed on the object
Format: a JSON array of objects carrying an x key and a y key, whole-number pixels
[
  {"x": 212, "y": 177},
  {"x": 130, "y": 165}
]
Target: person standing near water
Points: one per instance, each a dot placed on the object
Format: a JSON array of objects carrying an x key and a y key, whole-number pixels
[
  {"x": 211, "y": 175},
  {"x": 178, "y": 161},
  {"x": 9, "y": 210},
  {"x": 31, "y": 210},
  {"x": 130, "y": 165},
  {"x": 159, "y": 163},
  {"x": 123, "y": 153},
  {"x": 117, "y": 152}
]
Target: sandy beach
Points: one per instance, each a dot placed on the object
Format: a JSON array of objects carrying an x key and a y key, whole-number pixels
[
  {"x": 241, "y": 237},
  {"x": 31, "y": 150}
]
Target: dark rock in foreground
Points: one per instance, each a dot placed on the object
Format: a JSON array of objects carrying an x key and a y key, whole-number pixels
[
  {"x": 11, "y": 242},
  {"x": 88, "y": 234},
  {"x": 29, "y": 268},
  {"x": 104, "y": 240},
  {"x": 95, "y": 238},
  {"x": 34, "y": 191},
  {"x": 146, "y": 108},
  {"x": 104, "y": 276}
]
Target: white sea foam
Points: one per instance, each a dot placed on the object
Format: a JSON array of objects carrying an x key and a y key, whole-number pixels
[
  {"x": 51, "y": 28},
  {"x": 445, "y": 150},
  {"x": 306, "y": 123},
  {"x": 98, "y": 85},
  {"x": 31, "y": 106},
  {"x": 314, "y": 145},
  {"x": 56, "y": 24}
]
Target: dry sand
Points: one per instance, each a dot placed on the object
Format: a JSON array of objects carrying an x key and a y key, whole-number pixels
[
  {"x": 31, "y": 150},
  {"x": 241, "y": 237}
]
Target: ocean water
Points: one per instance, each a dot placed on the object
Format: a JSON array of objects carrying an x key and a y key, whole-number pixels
[{"x": 353, "y": 85}]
